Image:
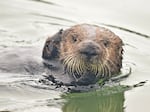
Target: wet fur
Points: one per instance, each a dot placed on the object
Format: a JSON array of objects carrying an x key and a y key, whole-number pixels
[{"x": 62, "y": 47}]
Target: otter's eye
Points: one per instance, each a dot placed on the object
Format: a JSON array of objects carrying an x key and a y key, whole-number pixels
[
  {"x": 106, "y": 43},
  {"x": 74, "y": 38}
]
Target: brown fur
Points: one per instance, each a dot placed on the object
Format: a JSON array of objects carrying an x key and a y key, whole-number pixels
[{"x": 73, "y": 41}]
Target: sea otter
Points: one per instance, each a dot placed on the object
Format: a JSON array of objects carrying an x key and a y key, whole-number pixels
[{"x": 86, "y": 52}]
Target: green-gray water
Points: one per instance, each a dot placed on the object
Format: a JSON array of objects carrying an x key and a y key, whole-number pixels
[{"x": 29, "y": 22}]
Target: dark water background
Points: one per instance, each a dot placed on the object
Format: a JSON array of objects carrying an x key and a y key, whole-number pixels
[{"x": 29, "y": 22}]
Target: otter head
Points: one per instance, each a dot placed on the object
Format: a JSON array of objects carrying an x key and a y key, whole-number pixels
[{"x": 88, "y": 50}]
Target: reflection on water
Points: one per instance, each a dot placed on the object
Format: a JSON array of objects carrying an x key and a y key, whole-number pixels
[
  {"x": 110, "y": 103},
  {"x": 28, "y": 22},
  {"x": 107, "y": 100}
]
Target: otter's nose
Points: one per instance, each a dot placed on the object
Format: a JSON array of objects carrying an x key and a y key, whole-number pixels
[{"x": 89, "y": 50}]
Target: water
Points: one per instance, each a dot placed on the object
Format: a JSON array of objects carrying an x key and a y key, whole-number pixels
[{"x": 29, "y": 22}]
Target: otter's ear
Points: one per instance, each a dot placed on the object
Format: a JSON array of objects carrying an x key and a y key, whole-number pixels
[{"x": 52, "y": 46}]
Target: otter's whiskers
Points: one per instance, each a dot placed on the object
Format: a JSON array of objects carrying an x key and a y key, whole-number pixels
[{"x": 76, "y": 66}]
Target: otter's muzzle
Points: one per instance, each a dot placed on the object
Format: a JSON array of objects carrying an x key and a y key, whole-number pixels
[{"x": 89, "y": 49}]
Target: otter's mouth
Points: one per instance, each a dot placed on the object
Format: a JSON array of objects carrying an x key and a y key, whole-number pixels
[{"x": 77, "y": 66}]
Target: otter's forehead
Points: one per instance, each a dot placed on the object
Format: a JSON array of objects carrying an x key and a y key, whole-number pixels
[{"x": 90, "y": 31}]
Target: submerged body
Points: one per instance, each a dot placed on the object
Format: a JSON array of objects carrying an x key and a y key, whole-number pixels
[{"x": 87, "y": 53}]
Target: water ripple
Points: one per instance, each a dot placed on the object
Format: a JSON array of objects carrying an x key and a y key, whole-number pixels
[
  {"x": 45, "y": 2},
  {"x": 125, "y": 29},
  {"x": 50, "y": 23},
  {"x": 57, "y": 18}
]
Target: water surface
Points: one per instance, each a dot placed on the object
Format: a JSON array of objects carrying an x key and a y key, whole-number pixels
[{"x": 29, "y": 22}]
